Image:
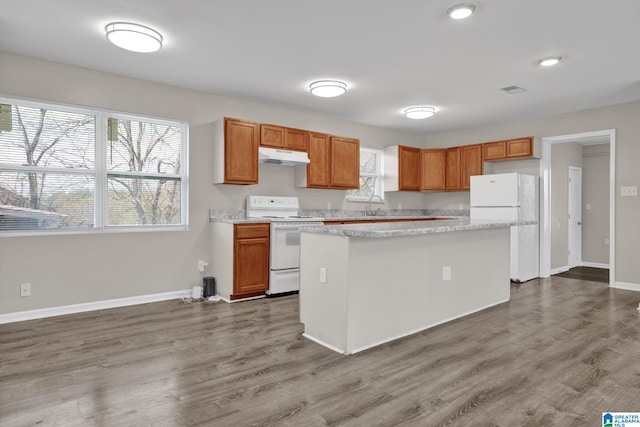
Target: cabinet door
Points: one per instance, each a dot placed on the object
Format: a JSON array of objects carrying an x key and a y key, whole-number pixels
[
  {"x": 470, "y": 163},
  {"x": 272, "y": 136},
  {"x": 452, "y": 180},
  {"x": 318, "y": 168},
  {"x": 241, "y": 140},
  {"x": 433, "y": 162},
  {"x": 408, "y": 168},
  {"x": 250, "y": 260},
  {"x": 494, "y": 150},
  {"x": 521, "y": 147},
  {"x": 345, "y": 163},
  {"x": 294, "y": 139}
]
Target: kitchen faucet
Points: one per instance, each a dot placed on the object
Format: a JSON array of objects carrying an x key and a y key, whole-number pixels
[{"x": 369, "y": 212}]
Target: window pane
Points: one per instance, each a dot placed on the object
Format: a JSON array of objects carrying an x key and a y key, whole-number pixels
[
  {"x": 136, "y": 201},
  {"x": 368, "y": 162},
  {"x": 45, "y": 201},
  {"x": 367, "y": 187},
  {"x": 143, "y": 147},
  {"x": 48, "y": 138}
]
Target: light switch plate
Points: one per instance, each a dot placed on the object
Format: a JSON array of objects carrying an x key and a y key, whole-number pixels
[{"x": 629, "y": 191}]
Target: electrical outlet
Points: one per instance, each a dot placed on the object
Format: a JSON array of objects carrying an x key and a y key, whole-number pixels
[
  {"x": 446, "y": 273},
  {"x": 25, "y": 289},
  {"x": 202, "y": 266},
  {"x": 399, "y": 206},
  {"x": 588, "y": 206},
  {"x": 328, "y": 205},
  {"x": 629, "y": 191},
  {"x": 323, "y": 275}
]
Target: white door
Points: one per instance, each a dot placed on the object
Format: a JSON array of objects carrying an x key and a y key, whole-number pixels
[
  {"x": 494, "y": 190},
  {"x": 575, "y": 216}
]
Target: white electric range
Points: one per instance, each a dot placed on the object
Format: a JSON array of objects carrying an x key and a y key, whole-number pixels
[{"x": 284, "y": 257}]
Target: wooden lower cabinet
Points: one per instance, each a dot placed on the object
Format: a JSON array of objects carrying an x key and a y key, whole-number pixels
[
  {"x": 250, "y": 260},
  {"x": 433, "y": 163}
]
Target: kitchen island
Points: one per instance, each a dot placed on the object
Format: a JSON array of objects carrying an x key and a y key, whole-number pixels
[{"x": 363, "y": 285}]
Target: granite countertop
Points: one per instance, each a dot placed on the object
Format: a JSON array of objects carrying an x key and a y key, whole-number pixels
[
  {"x": 397, "y": 229},
  {"x": 238, "y": 216}
]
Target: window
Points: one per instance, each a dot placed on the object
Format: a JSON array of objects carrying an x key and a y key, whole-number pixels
[
  {"x": 74, "y": 169},
  {"x": 370, "y": 176}
]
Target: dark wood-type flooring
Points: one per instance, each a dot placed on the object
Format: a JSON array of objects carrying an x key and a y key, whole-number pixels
[
  {"x": 587, "y": 273},
  {"x": 559, "y": 353}
]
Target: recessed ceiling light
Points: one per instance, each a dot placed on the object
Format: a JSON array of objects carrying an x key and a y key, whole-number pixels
[
  {"x": 419, "y": 112},
  {"x": 328, "y": 88},
  {"x": 550, "y": 61},
  {"x": 133, "y": 37},
  {"x": 461, "y": 11}
]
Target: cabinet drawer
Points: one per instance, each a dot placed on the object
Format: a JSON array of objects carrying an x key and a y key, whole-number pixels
[{"x": 250, "y": 231}]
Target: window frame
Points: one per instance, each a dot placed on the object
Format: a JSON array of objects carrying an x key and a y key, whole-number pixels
[
  {"x": 101, "y": 172},
  {"x": 379, "y": 177}
]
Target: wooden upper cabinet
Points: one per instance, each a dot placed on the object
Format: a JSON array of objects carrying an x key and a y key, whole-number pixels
[
  {"x": 250, "y": 260},
  {"x": 319, "y": 157},
  {"x": 470, "y": 164},
  {"x": 281, "y": 137},
  {"x": 272, "y": 136},
  {"x": 517, "y": 148},
  {"x": 241, "y": 140},
  {"x": 521, "y": 147},
  {"x": 433, "y": 169},
  {"x": 494, "y": 150},
  {"x": 295, "y": 139},
  {"x": 408, "y": 168},
  {"x": 344, "y": 163},
  {"x": 452, "y": 178}
]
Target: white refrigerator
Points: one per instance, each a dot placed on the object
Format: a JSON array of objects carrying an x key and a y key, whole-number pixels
[{"x": 511, "y": 196}]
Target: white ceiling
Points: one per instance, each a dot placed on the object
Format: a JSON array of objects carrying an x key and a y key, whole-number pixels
[{"x": 392, "y": 53}]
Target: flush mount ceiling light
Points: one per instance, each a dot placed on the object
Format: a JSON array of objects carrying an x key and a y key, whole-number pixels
[
  {"x": 419, "y": 112},
  {"x": 550, "y": 61},
  {"x": 328, "y": 88},
  {"x": 461, "y": 11},
  {"x": 133, "y": 37}
]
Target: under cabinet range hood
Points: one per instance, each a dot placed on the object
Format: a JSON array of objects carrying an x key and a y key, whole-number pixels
[{"x": 277, "y": 156}]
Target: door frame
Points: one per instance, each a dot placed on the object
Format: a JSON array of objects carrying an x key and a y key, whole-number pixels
[
  {"x": 579, "y": 214},
  {"x": 545, "y": 190}
]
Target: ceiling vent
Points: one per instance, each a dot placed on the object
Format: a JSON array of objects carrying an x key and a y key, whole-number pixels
[{"x": 512, "y": 90}]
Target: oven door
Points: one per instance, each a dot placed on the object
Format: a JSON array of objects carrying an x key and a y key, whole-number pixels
[{"x": 285, "y": 246}]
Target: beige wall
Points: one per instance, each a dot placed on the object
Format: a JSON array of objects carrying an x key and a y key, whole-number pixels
[
  {"x": 623, "y": 118},
  {"x": 73, "y": 269},
  {"x": 562, "y": 156},
  {"x": 595, "y": 191}
]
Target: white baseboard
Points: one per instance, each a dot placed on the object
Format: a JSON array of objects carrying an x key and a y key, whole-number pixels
[
  {"x": 559, "y": 270},
  {"x": 594, "y": 264},
  {"x": 91, "y": 306},
  {"x": 628, "y": 286}
]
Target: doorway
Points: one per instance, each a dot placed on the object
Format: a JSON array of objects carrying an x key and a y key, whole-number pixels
[
  {"x": 575, "y": 217},
  {"x": 546, "y": 221}
]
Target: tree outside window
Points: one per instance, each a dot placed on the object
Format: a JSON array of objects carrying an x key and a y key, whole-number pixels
[{"x": 370, "y": 176}]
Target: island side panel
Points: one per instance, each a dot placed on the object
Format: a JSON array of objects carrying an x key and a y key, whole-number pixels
[
  {"x": 222, "y": 258},
  {"x": 396, "y": 288},
  {"x": 323, "y": 306}
]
